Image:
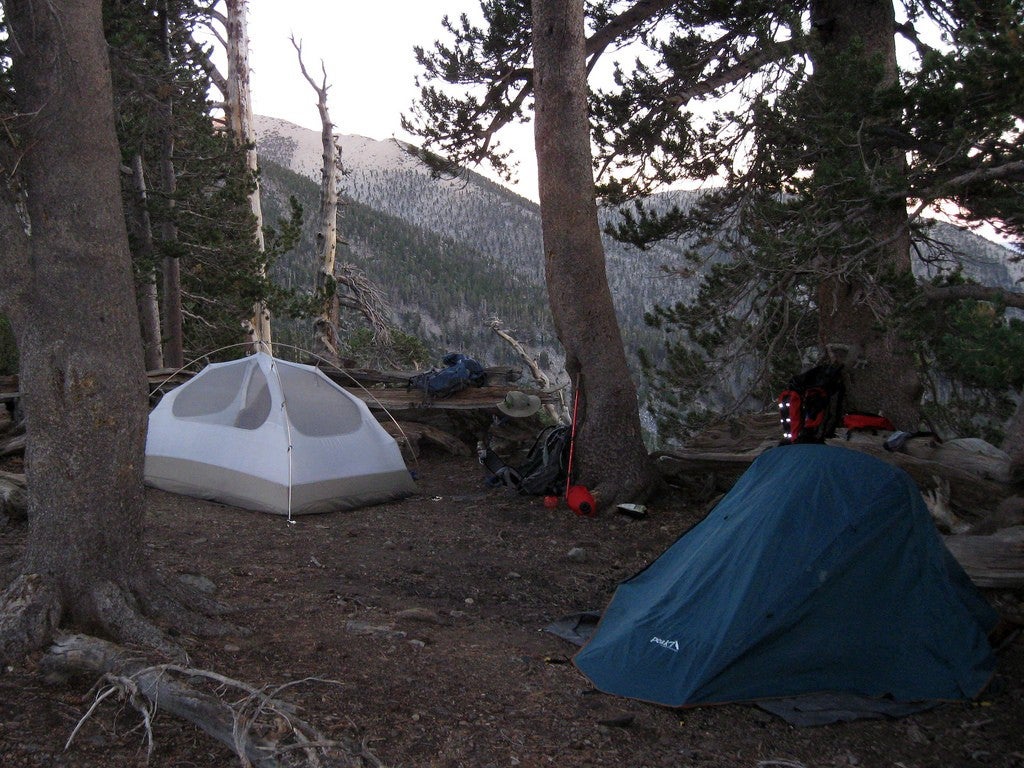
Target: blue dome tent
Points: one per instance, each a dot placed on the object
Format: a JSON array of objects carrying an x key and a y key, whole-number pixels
[{"x": 820, "y": 571}]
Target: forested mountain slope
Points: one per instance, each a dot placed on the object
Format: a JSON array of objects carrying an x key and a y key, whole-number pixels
[{"x": 449, "y": 254}]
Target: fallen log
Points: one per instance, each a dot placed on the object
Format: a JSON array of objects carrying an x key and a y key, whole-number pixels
[
  {"x": 13, "y": 501},
  {"x": 13, "y": 443},
  {"x": 992, "y": 561},
  {"x": 412, "y": 435},
  {"x": 262, "y": 730},
  {"x": 995, "y": 561},
  {"x": 971, "y": 491}
]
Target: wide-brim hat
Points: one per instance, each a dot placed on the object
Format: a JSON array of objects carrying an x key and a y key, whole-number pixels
[{"x": 519, "y": 404}]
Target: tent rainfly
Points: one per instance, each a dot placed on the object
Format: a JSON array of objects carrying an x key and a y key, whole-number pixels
[
  {"x": 821, "y": 571},
  {"x": 273, "y": 436}
]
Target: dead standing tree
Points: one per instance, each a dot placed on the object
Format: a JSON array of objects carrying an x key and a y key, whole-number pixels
[
  {"x": 363, "y": 296},
  {"x": 325, "y": 322},
  {"x": 240, "y": 121}
]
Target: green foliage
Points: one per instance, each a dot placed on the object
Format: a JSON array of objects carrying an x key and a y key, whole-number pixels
[
  {"x": 818, "y": 196},
  {"x": 406, "y": 351},
  {"x": 200, "y": 217},
  {"x": 973, "y": 355},
  {"x": 965, "y": 117}
]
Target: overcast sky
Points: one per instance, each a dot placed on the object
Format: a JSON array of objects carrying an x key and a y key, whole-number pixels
[{"x": 367, "y": 50}]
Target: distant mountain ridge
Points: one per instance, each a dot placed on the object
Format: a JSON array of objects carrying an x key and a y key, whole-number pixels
[
  {"x": 496, "y": 229},
  {"x": 452, "y": 253}
]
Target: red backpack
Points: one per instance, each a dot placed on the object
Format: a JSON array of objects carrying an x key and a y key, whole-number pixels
[{"x": 810, "y": 406}]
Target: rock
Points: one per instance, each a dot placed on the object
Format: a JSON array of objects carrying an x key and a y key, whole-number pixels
[
  {"x": 198, "y": 582},
  {"x": 421, "y": 614},
  {"x": 577, "y": 555},
  {"x": 362, "y": 628}
]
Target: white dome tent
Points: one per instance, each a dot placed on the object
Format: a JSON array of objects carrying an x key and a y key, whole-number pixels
[{"x": 269, "y": 435}]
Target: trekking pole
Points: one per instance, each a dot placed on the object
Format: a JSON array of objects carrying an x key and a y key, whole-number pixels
[
  {"x": 577, "y": 497},
  {"x": 572, "y": 435}
]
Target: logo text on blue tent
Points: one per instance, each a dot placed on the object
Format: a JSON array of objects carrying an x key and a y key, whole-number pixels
[{"x": 672, "y": 645}]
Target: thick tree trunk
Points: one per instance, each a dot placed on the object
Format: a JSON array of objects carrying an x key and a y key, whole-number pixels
[
  {"x": 610, "y": 455},
  {"x": 66, "y": 282},
  {"x": 855, "y": 316},
  {"x": 146, "y": 292},
  {"x": 240, "y": 118},
  {"x": 76, "y": 324}
]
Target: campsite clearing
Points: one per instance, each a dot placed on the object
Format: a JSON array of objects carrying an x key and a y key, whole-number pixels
[{"x": 428, "y": 615}]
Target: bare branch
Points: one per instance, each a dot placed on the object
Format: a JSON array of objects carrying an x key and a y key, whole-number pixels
[
  {"x": 260, "y": 728},
  {"x": 937, "y": 293},
  {"x": 1013, "y": 171},
  {"x": 202, "y": 56},
  {"x": 557, "y": 414},
  {"x": 625, "y": 22}
]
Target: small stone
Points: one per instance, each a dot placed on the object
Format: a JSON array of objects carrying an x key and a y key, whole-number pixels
[
  {"x": 421, "y": 614},
  {"x": 198, "y": 582},
  {"x": 577, "y": 555}
]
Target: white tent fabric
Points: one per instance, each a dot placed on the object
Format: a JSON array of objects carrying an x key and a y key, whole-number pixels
[{"x": 269, "y": 435}]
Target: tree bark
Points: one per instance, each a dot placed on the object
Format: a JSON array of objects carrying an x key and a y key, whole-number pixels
[
  {"x": 240, "y": 118},
  {"x": 69, "y": 292},
  {"x": 77, "y": 327},
  {"x": 610, "y": 455},
  {"x": 855, "y": 324}
]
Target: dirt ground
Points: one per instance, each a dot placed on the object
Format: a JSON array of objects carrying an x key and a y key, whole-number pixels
[{"x": 428, "y": 615}]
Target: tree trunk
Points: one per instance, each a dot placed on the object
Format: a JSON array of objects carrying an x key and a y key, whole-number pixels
[
  {"x": 174, "y": 337},
  {"x": 855, "y": 316},
  {"x": 239, "y": 110},
  {"x": 325, "y": 324},
  {"x": 75, "y": 321},
  {"x": 146, "y": 293},
  {"x": 66, "y": 283},
  {"x": 610, "y": 456}
]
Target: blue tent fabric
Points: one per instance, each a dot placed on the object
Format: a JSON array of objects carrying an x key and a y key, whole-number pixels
[{"x": 820, "y": 571}]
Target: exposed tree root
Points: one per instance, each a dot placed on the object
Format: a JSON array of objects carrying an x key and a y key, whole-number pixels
[
  {"x": 183, "y": 607},
  {"x": 30, "y": 612},
  {"x": 119, "y": 616},
  {"x": 263, "y": 731},
  {"x": 610, "y": 494}
]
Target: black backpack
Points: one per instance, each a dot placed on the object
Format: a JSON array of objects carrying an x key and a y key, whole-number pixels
[
  {"x": 811, "y": 406},
  {"x": 544, "y": 470},
  {"x": 459, "y": 372}
]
